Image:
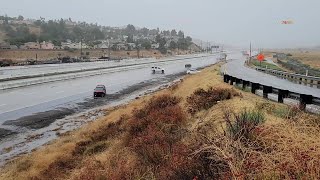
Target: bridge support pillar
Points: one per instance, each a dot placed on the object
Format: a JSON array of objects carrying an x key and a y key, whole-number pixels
[
  {"x": 282, "y": 94},
  {"x": 304, "y": 100},
  {"x": 266, "y": 91}
]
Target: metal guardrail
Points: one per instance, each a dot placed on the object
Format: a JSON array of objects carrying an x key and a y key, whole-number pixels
[
  {"x": 303, "y": 99},
  {"x": 312, "y": 80}
]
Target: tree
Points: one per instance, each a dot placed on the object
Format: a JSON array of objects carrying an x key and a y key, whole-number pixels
[
  {"x": 188, "y": 40},
  {"x": 146, "y": 44},
  {"x": 181, "y": 34},
  {"x": 162, "y": 47},
  {"x": 173, "y": 45},
  {"x": 20, "y": 18},
  {"x": 130, "y": 30},
  {"x": 130, "y": 39},
  {"x": 145, "y": 31},
  {"x": 158, "y": 38},
  {"x": 173, "y": 32},
  {"x": 182, "y": 44}
]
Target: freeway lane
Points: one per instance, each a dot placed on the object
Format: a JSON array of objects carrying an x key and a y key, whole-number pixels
[
  {"x": 25, "y": 101},
  {"x": 236, "y": 68}
]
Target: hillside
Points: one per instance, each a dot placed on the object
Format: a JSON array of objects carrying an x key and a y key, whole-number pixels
[
  {"x": 18, "y": 31},
  {"x": 184, "y": 132}
]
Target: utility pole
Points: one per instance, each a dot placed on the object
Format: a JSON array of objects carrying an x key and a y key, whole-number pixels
[
  {"x": 109, "y": 50},
  {"x": 250, "y": 53},
  {"x": 81, "y": 48}
]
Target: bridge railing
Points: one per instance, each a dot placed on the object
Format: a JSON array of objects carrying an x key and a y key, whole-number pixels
[
  {"x": 298, "y": 78},
  {"x": 303, "y": 99}
]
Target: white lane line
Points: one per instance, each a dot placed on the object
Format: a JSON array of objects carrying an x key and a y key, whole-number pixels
[
  {"x": 59, "y": 92},
  {"x": 2, "y": 105},
  {"x": 26, "y": 93}
]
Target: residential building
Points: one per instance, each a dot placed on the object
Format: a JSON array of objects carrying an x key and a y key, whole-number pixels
[
  {"x": 122, "y": 46},
  {"x": 5, "y": 46},
  {"x": 131, "y": 45},
  {"x": 13, "y": 47},
  {"x": 155, "y": 46},
  {"x": 30, "y": 45},
  {"x": 65, "y": 45},
  {"x": 46, "y": 45},
  {"x": 103, "y": 45}
]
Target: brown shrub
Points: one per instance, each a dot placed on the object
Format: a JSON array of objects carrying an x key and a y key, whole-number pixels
[{"x": 205, "y": 99}]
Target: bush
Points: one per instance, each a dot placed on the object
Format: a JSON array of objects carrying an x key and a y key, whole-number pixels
[
  {"x": 288, "y": 112},
  {"x": 205, "y": 99},
  {"x": 244, "y": 125}
]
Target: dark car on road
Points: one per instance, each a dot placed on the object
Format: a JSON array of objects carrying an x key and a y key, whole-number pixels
[{"x": 99, "y": 91}]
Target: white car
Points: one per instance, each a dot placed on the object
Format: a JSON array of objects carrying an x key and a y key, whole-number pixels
[
  {"x": 192, "y": 71},
  {"x": 156, "y": 69}
]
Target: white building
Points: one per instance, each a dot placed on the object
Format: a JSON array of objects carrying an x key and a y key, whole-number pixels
[{"x": 155, "y": 46}]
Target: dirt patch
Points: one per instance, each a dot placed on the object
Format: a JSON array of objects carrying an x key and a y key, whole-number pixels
[
  {"x": 42, "y": 119},
  {"x": 5, "y": 132}
]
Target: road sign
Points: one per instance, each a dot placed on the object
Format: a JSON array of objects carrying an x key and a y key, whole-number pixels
[{"x": 260, "y": 57}]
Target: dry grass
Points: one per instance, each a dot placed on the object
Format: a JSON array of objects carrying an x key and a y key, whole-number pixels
[
  {"x": 155, "y": 138},
  {"x": 309, "y": 57}
]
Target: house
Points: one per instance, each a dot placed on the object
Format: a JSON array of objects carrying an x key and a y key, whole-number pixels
[
  {"x": 131, "y": 45},
  {"x": 5, "y": 46},
  {"x": 1, "y": 21},
  {"x": 155, "y": 46},
  {"x": 13, "y": 47},
  {"x": 46, "y": 45},
  {"x": 103, "y": 45},
  {"x": 31, "y": 45},
  {"x": 122, "y": 46},
  {"x": 68, "y": 45}
]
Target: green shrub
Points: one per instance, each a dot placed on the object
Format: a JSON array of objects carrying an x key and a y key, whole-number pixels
[{"x": 244, "y": 124}]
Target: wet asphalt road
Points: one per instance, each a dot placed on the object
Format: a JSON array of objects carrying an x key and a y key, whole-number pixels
[
  {"x": 235, "y": 67},
  {"x": 16, "y": 103}
]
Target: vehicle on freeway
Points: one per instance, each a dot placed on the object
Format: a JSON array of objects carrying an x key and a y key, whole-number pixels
[
  {"x": 157, "y": 69},
  {"x": 99, "y": 91},
  {"x": 192, "y": 71},
  {"x": 222, "y": 57},
  {"x": 187, "y": 66}
]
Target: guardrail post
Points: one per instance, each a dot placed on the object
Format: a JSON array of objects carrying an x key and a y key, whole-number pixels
[
  {"x": 238, "y": 81},
  {"x": 226, "y": 78},
  {"x": 266, "y": 90},
  {"x": 244, "y": 84},
  {"x": 232, "y": 80},
  {"x": 254, "y": 87},
  {"x": 282, "y": 94},
  {"x": 304, "y": 100}
]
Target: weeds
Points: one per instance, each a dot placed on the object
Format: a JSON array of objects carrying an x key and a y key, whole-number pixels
[
  {"x": 291, "y": 112},
  {"x": 245, "y": 123},
  {"x": 205, "y": 99}
]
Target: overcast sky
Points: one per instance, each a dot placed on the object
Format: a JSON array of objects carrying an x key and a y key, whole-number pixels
[{"x": 233, "y": 22}]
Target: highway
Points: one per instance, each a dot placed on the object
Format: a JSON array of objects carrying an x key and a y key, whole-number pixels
[
  {"x": 19, "y": 102},
  {"x": 235, "y": 67}
]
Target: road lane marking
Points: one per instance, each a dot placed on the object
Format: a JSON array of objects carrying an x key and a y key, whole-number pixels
[
  {"x": 2, "y": 105},
  {"x": 59, "y": 92}
]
